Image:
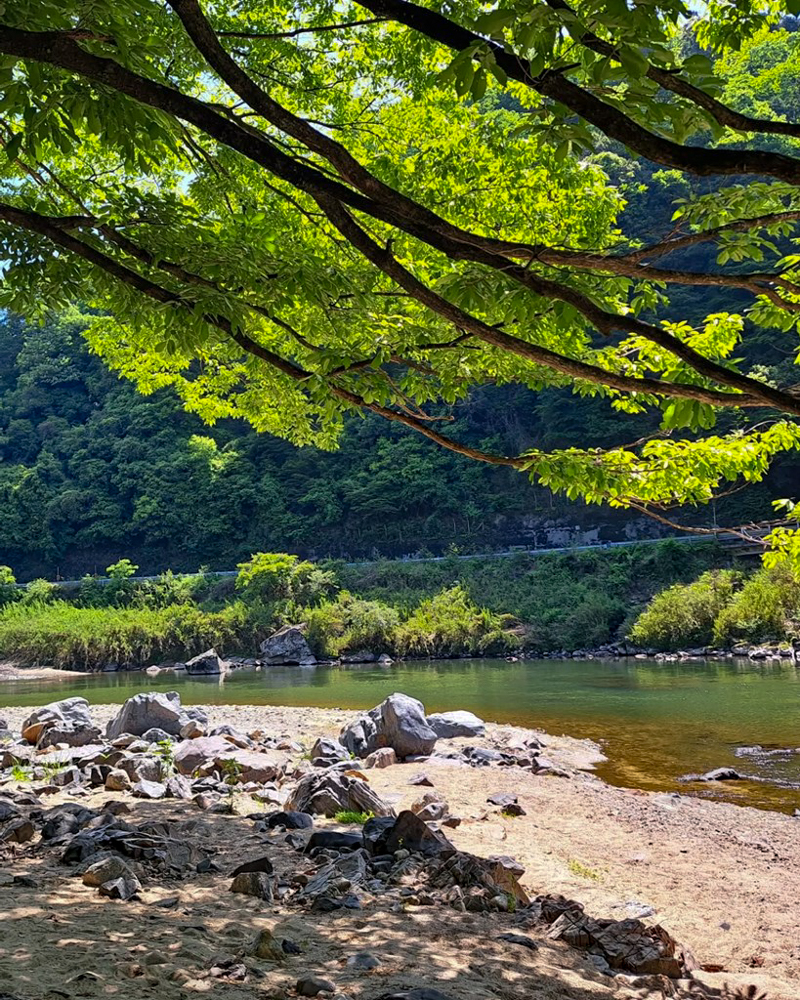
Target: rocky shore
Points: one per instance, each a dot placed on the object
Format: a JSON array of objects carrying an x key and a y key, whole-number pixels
[{"x": 157, "y": 849}]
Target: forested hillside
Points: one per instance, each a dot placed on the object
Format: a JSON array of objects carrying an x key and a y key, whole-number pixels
[{"x": 91, "y": 471}]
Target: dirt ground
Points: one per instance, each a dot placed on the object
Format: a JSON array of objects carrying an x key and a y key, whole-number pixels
[{"x": 723, "y": 879}]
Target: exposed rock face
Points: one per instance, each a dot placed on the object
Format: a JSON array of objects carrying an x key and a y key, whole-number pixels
[
  {"x": 70, "y": 714},
  {"x": 329, "y": 792},
  {"x": 288, "y": 645},
  {"x": 398, "y": 722},
  {"x": 384, "y": 757},
  {"x": 327, "y": 751},
  {"x": 447, "y": 725},
  {"x": 206, "y": 663},
  {"x": 152, "y": 710}
]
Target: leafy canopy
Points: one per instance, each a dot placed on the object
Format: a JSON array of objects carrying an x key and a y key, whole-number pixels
[{"x": 291, "y": 214}]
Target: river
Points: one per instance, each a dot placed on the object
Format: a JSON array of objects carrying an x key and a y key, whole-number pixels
[{"x": 655, "y": 721}]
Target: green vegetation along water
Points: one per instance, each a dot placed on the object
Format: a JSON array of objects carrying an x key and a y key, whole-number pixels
[{"x": 655, "y": 721}]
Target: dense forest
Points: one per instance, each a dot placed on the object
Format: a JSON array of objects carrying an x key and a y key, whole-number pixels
[{"x": 91, "y": 471}]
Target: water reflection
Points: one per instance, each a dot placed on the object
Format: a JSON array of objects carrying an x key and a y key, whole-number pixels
[{"x": 657, "y": 721}]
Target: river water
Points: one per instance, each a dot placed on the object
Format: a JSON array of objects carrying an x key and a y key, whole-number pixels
[{"x": 655, "y": 721}]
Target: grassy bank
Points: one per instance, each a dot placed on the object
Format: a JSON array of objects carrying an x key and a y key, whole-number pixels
[{"x": 450, "y": 608}]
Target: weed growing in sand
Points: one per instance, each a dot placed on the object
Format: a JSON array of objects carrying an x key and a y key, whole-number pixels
[
  {"x": 348, "y": 816},
  {"x": 52, "y": 769},
  {"x": 20, "y": 773},
  {"x": 583, "y": 871}
]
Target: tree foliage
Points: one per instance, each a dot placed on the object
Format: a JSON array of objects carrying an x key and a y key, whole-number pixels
[{"x": 291, "y": 215}]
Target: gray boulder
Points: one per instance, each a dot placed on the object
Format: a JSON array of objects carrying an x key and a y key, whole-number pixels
[
  {"x": 153, "y": 710},
  {"x": 72, "y": 713},
  {"x": 71, "y": 736},
  {"x": 448, "y": 725},
  {"x": 329, "y": 792},
  {"x": 206, "y": 663},
  {"x": 287, "y": 645},
  {"x": 141, "y": 767},
  {"x": 398, "y": 722}
]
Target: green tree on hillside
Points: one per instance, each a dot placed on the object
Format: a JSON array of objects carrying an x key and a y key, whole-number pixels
[{"x": 290, "y": 216}]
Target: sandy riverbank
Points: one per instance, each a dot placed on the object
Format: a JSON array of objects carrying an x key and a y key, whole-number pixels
[
  {"x": 723, "y": 879},
  {"x": 13, "y": 672}
]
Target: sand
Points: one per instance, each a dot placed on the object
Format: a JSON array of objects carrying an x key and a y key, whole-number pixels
[{"x": 723, "y": 879}]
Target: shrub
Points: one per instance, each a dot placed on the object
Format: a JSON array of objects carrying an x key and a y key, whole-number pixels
[
  {"x": 8, "y": 588},
  {"x": 685, "y": 614},
  {"x": 39, "y": 592},
  {"x": 271, "y": 577},
  {"x": 358, "y": 818},
  {"x": 762, "y": 609},
  {"x": 349, "y": 623},
  {"x": 450, "y": 623}
]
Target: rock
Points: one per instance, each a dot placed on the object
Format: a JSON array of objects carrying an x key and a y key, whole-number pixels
[
  {"x": 384, "y": 757},
  {"x": 290, "y": 820},
  {"x": 18, "y": 831},
  {"x": 412, "y": 834},
  {"x": 359, "y": 656},
  {"x": 721, "y": 774},
  {"x": 149, "y": 790},
  {"x": 431, "y": 807},
  {"x": 398, "y": 722},
  {"x": 363, "y": 960},
  {"x": 106, "y": 870},
  {"x": 206, "y": 663},
  {"x": 448, "y": 725},
  {"x": 332, "y": 840},
  {"x": 310, "y": 986},
  {"x": 178, "y": 787},
  {"x": 233, "y": 736},
  {"x": 329, "y": 792},
  {"x": 72, "y": 713},
  {"x": 117, "y": 780},
  {"x": 375, "y": 832},
  {"x": 256, "y": 884},
  {"x": 156, "y": 735},
  {"x": 628, "y": 945},
  {"x": 328, "y": 750},
  {"x": 510, "y": 864},
  {"x": 150, "y": 710},
  {"x": 256, "y": 865},
  {"x": 502, "y": 799},
  {"x": 141, "y": 767},
  {"x": 288, "y": 645},
  {"x": 265, "y": 946},
  {"x": 124, "y": 887},
  {"x": 520, "y": 939},
  {"x": 205, "y": 754},
  {"x": 420, "y": 779},
  {"x": 72, "y": 736},
  {"x": 191, "y": 730}
]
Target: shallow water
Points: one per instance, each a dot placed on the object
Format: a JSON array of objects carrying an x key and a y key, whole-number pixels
[{"x": 655, "y": 721}]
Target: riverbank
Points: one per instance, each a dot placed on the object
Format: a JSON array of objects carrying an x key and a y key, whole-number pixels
[{"x": 722, "y": 879}]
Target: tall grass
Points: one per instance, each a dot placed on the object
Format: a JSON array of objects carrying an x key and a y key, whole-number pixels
[{"x": 61, "y": 635}]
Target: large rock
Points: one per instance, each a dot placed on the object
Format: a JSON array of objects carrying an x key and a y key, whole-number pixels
[
  {"x": 448, "y": 725},
  {"x": 329, "y": 792},
  {"x": 413, "y": 834},
  {"x": 206, "y": 754},
  {"x": 72, "y": 714},
  {"x": 152, "y": 710},
  {"x": 287, "y": 645},
  {"x": 206, "y": 663},
  {"x": 398, "y": 722}
]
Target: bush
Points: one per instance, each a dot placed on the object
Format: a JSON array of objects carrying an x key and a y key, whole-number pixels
[
  {"x": 685, "y": 614},
  {"x": 450, "y": 623},
  {"x": 39, "y": 592},
  {"x": 8, "y": 588},
  {"x": 763, "y": 609},
  {"x": 349, "y": 624},
  {"x": 271, "y": 577}
]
